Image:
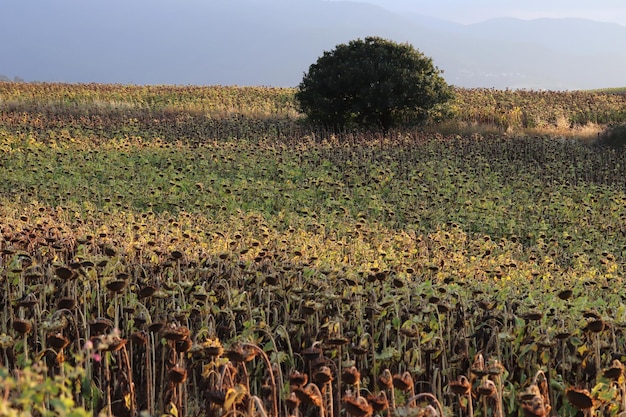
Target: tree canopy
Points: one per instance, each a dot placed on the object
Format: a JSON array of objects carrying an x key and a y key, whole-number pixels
[{"x": 372, "y": 83}]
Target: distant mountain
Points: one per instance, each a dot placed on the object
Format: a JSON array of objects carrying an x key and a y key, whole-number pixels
[
  {"x": 572, "y": 36},
  {"x": 273, "y": 42}
]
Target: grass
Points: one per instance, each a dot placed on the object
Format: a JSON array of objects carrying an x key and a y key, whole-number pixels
[{"x": 615, "y": 90}]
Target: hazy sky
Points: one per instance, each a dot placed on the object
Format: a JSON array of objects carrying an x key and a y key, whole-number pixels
[
  {"x": 273, "y": 42},
  {"x": 472, "y": 11}
]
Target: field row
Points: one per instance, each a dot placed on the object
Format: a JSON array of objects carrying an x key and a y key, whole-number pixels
[{"x": 97, "y": 104}]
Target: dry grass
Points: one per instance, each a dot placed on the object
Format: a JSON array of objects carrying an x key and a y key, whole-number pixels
[{"x": 587, "y": 133}]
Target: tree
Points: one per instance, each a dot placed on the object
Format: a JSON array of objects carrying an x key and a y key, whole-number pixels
[{"x": 372, "y": 83}]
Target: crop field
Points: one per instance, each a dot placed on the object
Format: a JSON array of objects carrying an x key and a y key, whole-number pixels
[{"x": 200, "y": 251}]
